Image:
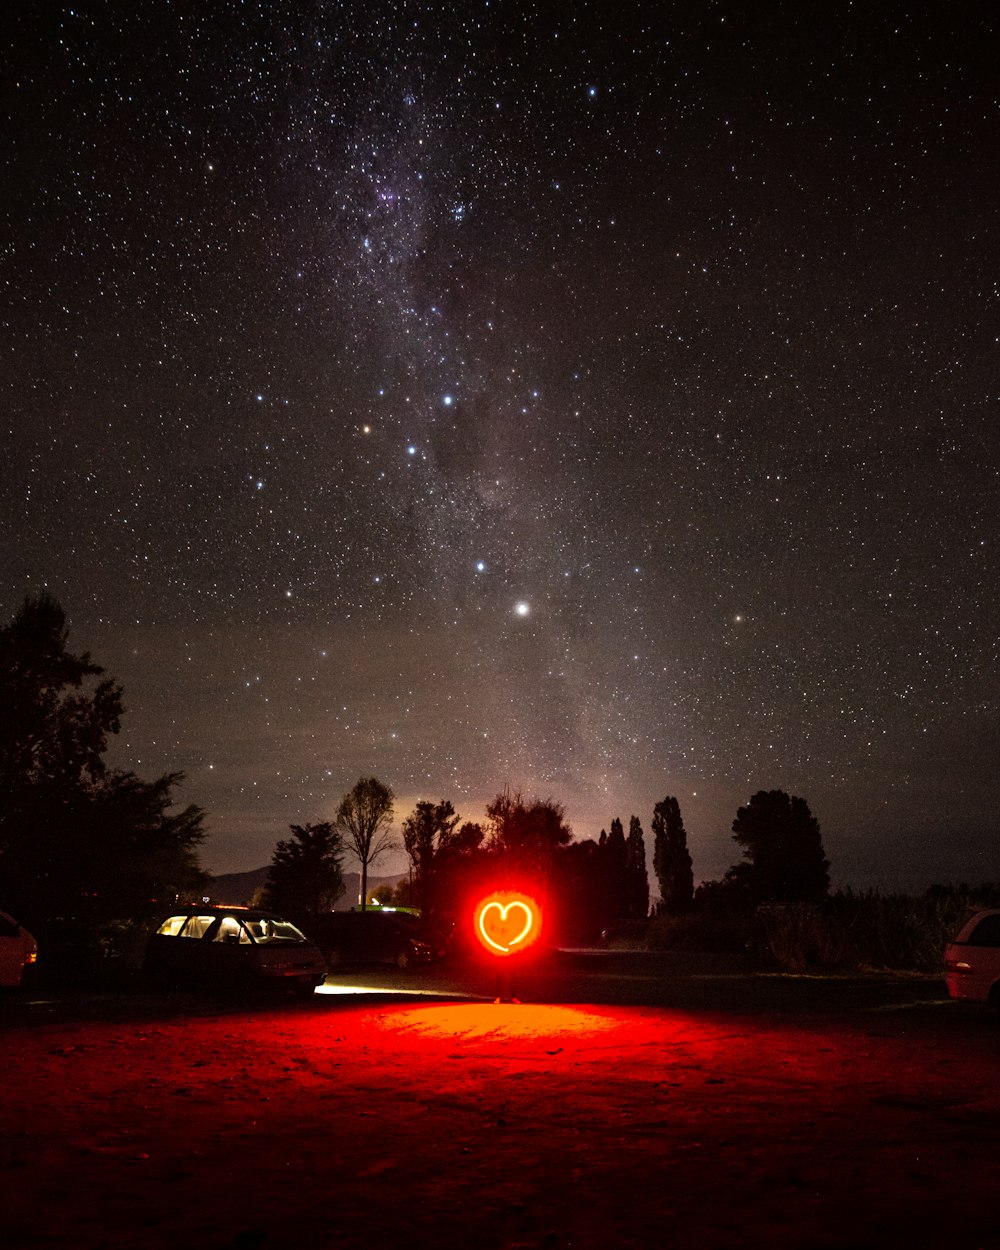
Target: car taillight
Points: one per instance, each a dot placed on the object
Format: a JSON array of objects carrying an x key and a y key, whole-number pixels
[{"x": 959, "y": 966}]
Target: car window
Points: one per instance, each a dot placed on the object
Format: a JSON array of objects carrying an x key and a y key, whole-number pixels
[
  {"x": 986, "y": 933},
  {"x": 197, "y": 926},
  {"x": 231, "y": 931},
  {"x": 171, "y": 927},
  {"x": 267, "y": 929}
]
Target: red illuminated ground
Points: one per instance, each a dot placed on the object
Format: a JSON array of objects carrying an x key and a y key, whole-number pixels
[{"x": 359, "y": 1122}]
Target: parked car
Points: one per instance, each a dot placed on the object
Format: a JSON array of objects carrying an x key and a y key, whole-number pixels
[
  {"x": 18, "y": 951},
  {"x": 972, "y": 960},
  {"x": 231, "y": 947},
  {"x": 373, "y": 936}
]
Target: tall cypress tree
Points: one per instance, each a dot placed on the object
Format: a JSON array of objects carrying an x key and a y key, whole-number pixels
[
  {"x": 615, "y": 854},
  {"x": 637, "y": 878},
  {"x": 671, "y": 860}
]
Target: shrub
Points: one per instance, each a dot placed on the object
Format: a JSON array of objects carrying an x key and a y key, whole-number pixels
[
  {"x": 703, "y": 929},
  {"x": 848, "y": 932},
  {"x": 851, "y": 931}
]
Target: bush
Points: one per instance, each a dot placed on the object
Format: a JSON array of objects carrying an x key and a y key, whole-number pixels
[
  {"x": 847, "y": 932},
  {"x": 850, "y": 932},
  {"x": 702, "y": 929}
]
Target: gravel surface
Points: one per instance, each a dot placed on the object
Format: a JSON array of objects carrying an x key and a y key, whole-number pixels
[{"x": 713, "y": 1110}]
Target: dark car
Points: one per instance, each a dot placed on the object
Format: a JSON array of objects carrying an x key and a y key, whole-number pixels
[
  {"x": 372, "y": 937},
  {"x": 232, "y": 948}
]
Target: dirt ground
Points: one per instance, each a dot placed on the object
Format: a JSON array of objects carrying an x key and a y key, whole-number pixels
[{"x": 357, "y": 1121}]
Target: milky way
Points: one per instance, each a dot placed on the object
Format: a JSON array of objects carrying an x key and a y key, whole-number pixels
[{"x": 600, "y": 400}]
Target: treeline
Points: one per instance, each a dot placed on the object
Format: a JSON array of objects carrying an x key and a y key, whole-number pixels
[
  {"x": 523, "y": 843},
  {"x": 588, "y": 886},
  {"x": 89, "y": 852},
  {"x": 85, "y": 849}
]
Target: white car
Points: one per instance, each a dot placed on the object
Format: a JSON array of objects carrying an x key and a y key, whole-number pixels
[
  {"x": 972, "y": 960},
  {"x": 232, "y": 948},
  {"x": 18, "y": 950}
]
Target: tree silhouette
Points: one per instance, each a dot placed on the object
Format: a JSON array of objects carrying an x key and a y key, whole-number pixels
[
  {"x": 525, "y": 835},
  {"x": 585, "y": 907},
  {"x": 305, "y": 874},
  {"x": 364, "y": 819},
  {"x": 78, "y": 840},
  {"x": 52, "y": 741},
  {"x": 614, "y": 854},
  {"x": 671, "y": 860},
  {"x": 425, "y": 830},
  {"x": 461, "y": 866},
  {"x": 636, "y": 874},
  {"x": 780, "y": 837}
]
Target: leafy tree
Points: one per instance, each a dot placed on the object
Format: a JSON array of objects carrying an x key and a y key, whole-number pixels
[
  {"x": 427, "y": 827},
  {"x": 671, "y": 860},
  {"x": 636, "y": 874},
  {"x": 78, "y": 840},
  {"x": 305, "y": 874},
  {"x": 525, "y": 835},
  {"x": 732, "y": 893},
  {"x": 780, "y": 837},
  {"x": 464, "y": 841},
  {"x": 52, "y": 740},
  {"x": 364, "y": 819},
  {"x": 461, "y": 865},
  {"x": 582, "y": 887}
]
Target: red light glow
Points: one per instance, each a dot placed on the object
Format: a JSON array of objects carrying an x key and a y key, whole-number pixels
[{"x": 507, "y": 923}]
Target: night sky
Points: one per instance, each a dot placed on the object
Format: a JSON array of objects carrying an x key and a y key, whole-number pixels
[{"x": 596, "y": 398}]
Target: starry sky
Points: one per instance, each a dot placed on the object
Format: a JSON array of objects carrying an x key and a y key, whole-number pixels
[{"x": 596, "y": 399}]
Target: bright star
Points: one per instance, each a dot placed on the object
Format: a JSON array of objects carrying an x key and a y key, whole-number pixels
[{"x": 522, "y": 608}]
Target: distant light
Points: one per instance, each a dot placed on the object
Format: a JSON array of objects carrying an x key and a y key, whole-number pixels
[
  {"x": 411, "y": 451},
  {"x": 448, "y": 400},
  {"x": 480, "y": 566},
  {"x": 522, "y": 608}
]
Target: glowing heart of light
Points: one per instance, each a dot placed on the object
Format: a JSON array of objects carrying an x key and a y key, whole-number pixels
[{"x": 506, "y": 924}]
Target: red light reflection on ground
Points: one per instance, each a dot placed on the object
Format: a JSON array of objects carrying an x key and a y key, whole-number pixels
[{"x": 483, "y": 1021}]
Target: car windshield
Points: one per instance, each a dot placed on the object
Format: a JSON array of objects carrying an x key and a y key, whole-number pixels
[{"x": 264, "y": 929}]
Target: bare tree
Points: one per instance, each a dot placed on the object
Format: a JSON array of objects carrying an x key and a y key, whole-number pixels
[{"x": 364, "y": 819}]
